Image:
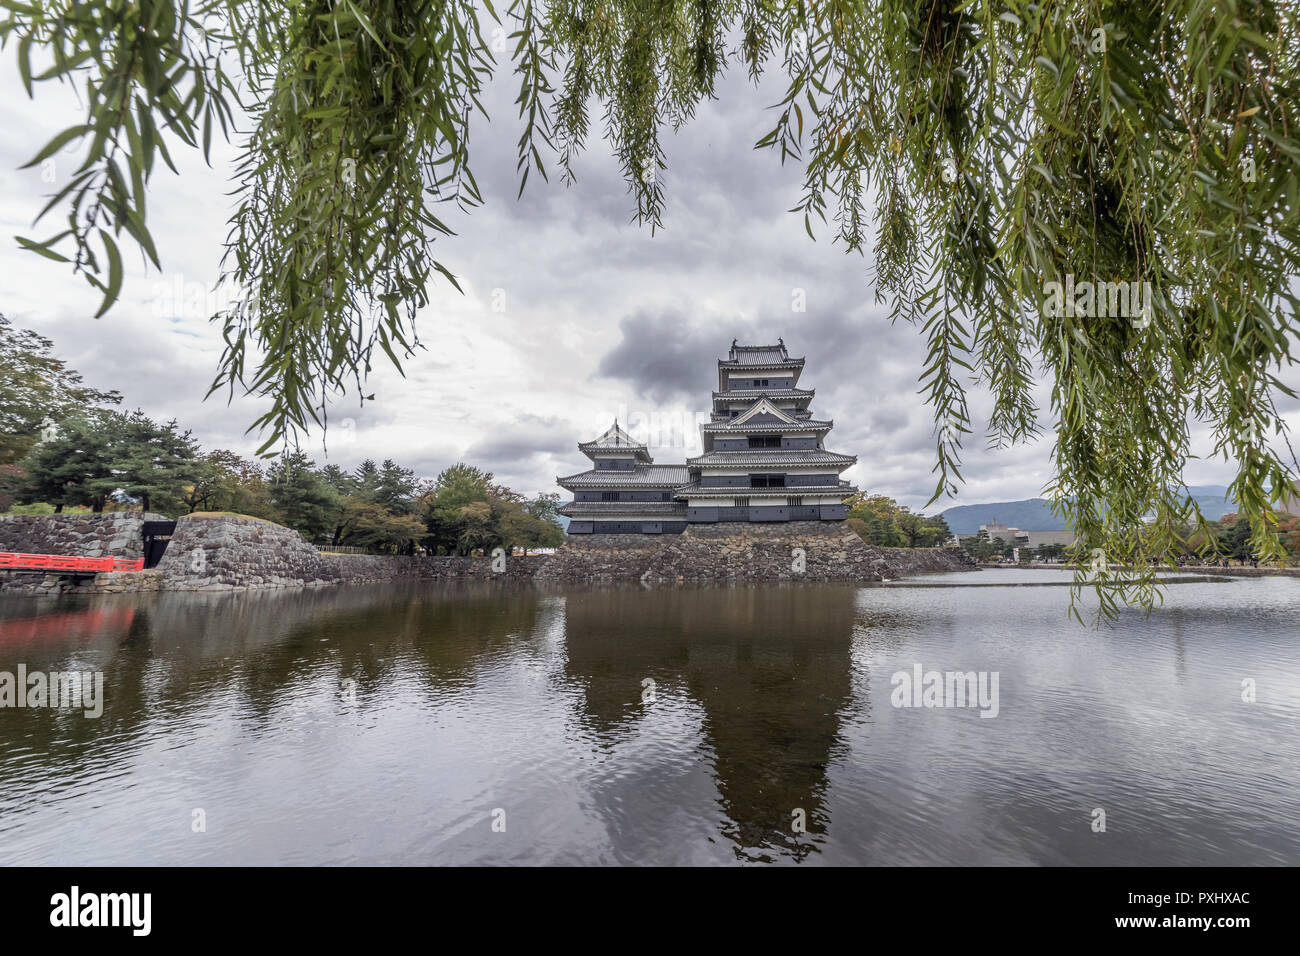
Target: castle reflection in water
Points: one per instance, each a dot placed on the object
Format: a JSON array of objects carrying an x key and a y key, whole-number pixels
[{"x": 730, "y": 698}]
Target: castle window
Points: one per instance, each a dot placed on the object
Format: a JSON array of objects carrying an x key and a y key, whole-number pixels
[
  {"x": 609, "y": 496},
  {"x": 767, "y": 481},
  {"x": 764, "y": 441},
  {"x": 795, "y": 502}
]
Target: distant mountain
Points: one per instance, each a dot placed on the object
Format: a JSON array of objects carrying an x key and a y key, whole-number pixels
[
  {"x": 1213, "y": 500},
  {"x": 1035, "y": 514}
]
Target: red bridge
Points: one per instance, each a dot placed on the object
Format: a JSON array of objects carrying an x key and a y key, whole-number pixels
[{"x": 12, "y": 561}]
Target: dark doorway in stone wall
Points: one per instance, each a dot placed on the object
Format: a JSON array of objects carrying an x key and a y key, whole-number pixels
[{"x": 156, "y": 534}]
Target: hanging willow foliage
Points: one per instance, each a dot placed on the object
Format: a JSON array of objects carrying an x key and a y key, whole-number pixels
[{"x": 1102, "y": 192}]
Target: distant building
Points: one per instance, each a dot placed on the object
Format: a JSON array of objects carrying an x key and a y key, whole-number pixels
[
  {"x": 1018, "y": 538},
  {"x": 764, "y": 459}
]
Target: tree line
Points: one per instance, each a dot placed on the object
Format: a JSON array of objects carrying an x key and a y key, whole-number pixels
[
  {"x": 62, "y": 447},
  {"x": 1219, "y": 542}
]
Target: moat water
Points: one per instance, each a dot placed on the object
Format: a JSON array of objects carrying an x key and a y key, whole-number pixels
[{"x": 417, "y": 726}]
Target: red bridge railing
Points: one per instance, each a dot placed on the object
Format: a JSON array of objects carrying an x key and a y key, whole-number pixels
[{"x": 16, "y": 561}]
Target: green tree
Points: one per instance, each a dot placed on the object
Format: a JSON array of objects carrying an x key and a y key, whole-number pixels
[
  {"x": 92, "y": 458},
  {"x": 910, "y": 526},
  {"x": 1288, "y": 527},
  {"x": 1052, "y": 552},
  {"x": 339, "y": 480},
  {"x": 37, "y": 390},
  {"x": 475, "y": 527},
  {"x": 366, "y": 524},
  {"x": 154, "y": 464},
  {"x": 874, "y": 518},
  {"x": 228, "y": 482},
  {"x": 366, "y": 476},
  {"x": 446, "y": 517},
  {"x": 882, "y": 521},
  {"x": 394, "y": 488},
  {"x": 546, "y": 532},
  {"x": 303, "y": 499},
  {"x": 935, "y": 531},
  {"x": 71, "y": 466},
  {"x": 1235, "y": 537},
  {"x": 1013, "y": 148},
  {"x": 372, "y": 505},
  {"x": 11, "y": 481}
]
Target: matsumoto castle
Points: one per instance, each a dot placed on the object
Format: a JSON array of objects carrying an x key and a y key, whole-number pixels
[{"x": 764, "y": 460}]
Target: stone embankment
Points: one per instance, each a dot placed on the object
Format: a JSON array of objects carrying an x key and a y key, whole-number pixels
[
  {"x": 742, "y": 553},
  {"x": 233, "y": 552},
  {"x": 1218, "y": 570},
  {"x": 1239, "y": 571},
  {"x": 225, "y": 553}
]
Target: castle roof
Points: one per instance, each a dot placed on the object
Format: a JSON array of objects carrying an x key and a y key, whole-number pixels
[
  {"x": 696, "y": 490},
  {"x": 606, "y": 508},
  {"x": 749, "y": 394},
  {"x": 764, "y": 358},
  {"x": 758, "y": 354},
  {"x": 765, "y": 423},
  {"x": 615, "y": 439},
  {"x": 771, "y": 456},
  {"x": 645, "y": 476}
]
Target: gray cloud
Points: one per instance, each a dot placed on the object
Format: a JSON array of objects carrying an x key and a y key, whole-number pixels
[
  {"x": 533, "y": 435},
  {"x": 666, "y": 354}
]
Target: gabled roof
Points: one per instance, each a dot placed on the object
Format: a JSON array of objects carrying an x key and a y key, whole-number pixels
[
  {"x": 764, "y": 416},
  {"x": 615, "y": 439},
  {"x": 765, "y": 412}
]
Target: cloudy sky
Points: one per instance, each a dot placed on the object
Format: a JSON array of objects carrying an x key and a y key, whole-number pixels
[{"x": 599, "y": 319}]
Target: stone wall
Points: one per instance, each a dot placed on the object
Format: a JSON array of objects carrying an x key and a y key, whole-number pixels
[
  {"x": 362, "y": 568},
  {"x": 742, "y": 553},
  {"x": 224, "y": 552},
  {"x": 229, "y": 552},
  {"x": 113, "y": 533},
  {"x": 232, "y": 552}
]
